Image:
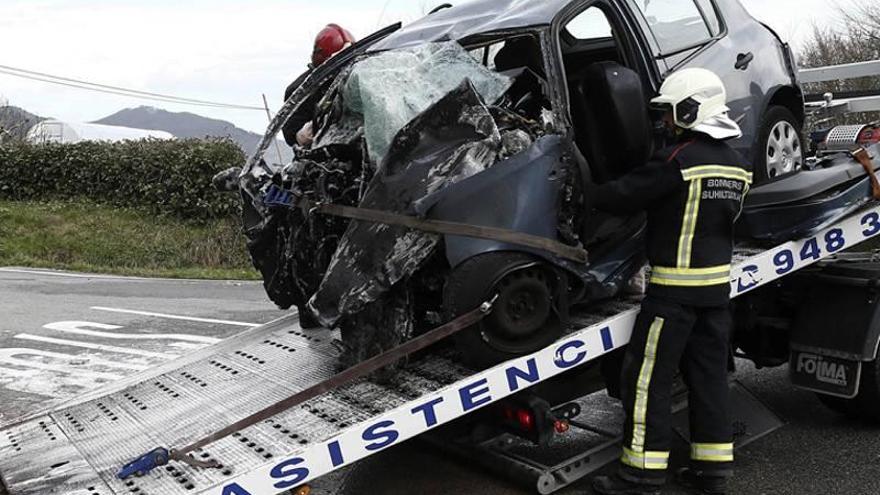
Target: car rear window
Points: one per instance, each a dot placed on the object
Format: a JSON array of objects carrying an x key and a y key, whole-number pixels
[{"x": 680, "y": 24}]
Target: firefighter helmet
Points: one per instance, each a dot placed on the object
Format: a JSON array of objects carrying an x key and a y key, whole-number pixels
[
  {"x": 330, "y": 41},
  {"x": 694, "y": 95}
]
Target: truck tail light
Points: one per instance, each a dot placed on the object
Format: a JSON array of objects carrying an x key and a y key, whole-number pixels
[{"x": 526, "y": 419}]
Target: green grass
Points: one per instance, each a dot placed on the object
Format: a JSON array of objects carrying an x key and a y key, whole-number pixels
[{"x": 86, "y": 237}]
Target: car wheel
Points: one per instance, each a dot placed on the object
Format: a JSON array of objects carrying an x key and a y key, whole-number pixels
[
  {"x": 524, "y": 318},
  {"x": 780, "y": 147},
  {"x": 865, "y": 405}
]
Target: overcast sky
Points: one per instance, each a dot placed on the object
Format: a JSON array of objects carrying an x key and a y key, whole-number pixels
[{"x": 218, "y": 50}]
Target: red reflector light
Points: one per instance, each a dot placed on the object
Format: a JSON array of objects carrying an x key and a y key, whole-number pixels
[
  {"x": 561, "y": 426},
  {"x": 525, "y": 418}
]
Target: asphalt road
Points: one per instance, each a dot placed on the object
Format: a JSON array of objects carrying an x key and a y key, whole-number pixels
[{"x": 61, "y": 334}]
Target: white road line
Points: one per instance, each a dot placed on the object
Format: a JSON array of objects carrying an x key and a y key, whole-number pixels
[
  {"x": 59, "y": 273},
  {"x": 99, "y": 347},
  {"x": 6, "y": 357},
  {"x": 71, "y": 363},
  {"x": 66, "y": 274},
  {"x": 175, "y": 317},
  {"x": 76, "y": 327}
]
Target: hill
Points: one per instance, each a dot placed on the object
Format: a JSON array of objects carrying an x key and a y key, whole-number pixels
[
  {"x": 16, "y": 122},
  {"x": 190, "y": 125}
]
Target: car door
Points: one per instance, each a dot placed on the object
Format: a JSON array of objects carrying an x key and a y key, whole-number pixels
[{"x": 694, "y": 33}]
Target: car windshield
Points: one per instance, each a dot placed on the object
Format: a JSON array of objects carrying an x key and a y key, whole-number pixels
[{"x": 392, "y": 88}]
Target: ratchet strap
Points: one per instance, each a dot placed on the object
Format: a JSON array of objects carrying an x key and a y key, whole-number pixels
[
  {"x": 861, "y": 155},
  {"x": 278, "y": 197},
  {"x": 150, "y": 461}
]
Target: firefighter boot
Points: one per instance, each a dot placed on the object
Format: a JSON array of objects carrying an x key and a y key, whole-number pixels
[
  {"x": 615, "y": 485},
  {"x": 701, "y": 483}
]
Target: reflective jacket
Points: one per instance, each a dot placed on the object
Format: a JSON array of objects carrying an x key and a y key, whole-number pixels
[{"x": 693, "y": 193}]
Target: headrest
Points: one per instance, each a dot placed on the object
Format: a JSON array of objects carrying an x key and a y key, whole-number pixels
[{"x": 618, "y": 98}]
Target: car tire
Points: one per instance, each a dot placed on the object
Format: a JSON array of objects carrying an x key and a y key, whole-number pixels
[
  {"x": 524, "y": 318},
  {"x": 866, "y": 404},
  {"x": 780, "y": 148}
]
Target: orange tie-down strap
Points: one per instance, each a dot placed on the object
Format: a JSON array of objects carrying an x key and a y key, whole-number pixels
[{"x": 861, "y": 155}]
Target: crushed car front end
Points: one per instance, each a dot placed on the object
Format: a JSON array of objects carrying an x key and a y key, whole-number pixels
[{"x": 470, "y": 133}]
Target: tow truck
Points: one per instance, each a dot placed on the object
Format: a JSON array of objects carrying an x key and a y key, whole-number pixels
[{"x": 787, "y": 294}]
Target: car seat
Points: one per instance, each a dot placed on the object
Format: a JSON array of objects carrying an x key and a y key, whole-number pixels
[{"x": 610, "y": 115}]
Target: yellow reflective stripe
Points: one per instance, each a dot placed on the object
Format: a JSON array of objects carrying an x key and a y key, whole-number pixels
[
  {"x": 712, "y": 452},
  {"x": 645, "y": 460},
  {"x": 689, "y": 224},
  {"x": 712, "y": 270},
  {"x": 717, "y": 172},
  {"x": 640, "y": 409},
  {"x": 690, "y": 277},
  {"x": 689, "y": 283}
]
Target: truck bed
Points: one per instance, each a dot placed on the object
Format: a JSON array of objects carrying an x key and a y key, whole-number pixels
[{"x": 77, "y": 447}]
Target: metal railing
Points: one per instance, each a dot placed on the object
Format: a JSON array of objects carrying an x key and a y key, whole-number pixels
[
  {"x": 840, "y": 72},
  {"x": 831, "y": 104}
]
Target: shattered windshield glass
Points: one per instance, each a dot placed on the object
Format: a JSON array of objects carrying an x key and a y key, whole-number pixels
[{"x": 392, "y": 88}]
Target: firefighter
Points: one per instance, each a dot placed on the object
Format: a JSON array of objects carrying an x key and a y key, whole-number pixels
[
  {"x": 298, "y": 130},
  {"x": 693, "y": 193}
]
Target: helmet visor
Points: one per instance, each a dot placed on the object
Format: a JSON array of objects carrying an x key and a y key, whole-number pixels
[{"x": 687, "y": 112}]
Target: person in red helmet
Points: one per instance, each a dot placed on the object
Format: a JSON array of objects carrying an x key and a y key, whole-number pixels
[{"x": 331, "y": 40}]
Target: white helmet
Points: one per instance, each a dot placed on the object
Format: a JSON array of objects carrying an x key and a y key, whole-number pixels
[{"x": 698, "y": 101}]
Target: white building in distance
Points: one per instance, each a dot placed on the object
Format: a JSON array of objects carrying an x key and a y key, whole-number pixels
[{"x": 56, "y": 131}]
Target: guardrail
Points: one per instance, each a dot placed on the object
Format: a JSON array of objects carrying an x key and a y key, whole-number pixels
[
  {"x": 866, "y": 101},
  {"x": 840, "y": 72}
]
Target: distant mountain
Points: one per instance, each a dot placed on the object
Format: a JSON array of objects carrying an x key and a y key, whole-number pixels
[
  {"x": 16, "y": 122},
  {"x": 190, "y": 125}
]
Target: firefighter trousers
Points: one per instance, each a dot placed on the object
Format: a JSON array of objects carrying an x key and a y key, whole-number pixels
[{"x": 669, "y": 336}]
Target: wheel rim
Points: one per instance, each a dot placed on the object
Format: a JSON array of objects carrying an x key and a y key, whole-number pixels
[
  {"x": 522, "y": 312},
  {"x": 784, "y": 151}
]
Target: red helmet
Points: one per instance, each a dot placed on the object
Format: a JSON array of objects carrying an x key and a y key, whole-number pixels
[{"x": 331, "y": 40}]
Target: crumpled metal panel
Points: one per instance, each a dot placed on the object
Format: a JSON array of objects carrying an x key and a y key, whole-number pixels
[
  {"x": 454, "y": 139},
  {"x": 521, "y": 194}
]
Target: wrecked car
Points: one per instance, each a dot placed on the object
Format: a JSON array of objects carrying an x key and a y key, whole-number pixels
[{"x": 502, "y": 115}]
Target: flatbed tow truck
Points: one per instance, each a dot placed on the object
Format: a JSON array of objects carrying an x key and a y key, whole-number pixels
[{"x": 78, "y": 447}]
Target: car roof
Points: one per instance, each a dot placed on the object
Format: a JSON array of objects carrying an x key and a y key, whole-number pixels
[{"x": 472, "y": 18}]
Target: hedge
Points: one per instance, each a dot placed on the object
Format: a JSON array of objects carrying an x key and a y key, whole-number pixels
[{"x": 162, "y": 177}]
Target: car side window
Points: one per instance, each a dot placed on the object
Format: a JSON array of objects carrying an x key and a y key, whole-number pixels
[
  {"x": 590, "y": 24},
  {"x": 711, "y": 13},
  {"x": 679, "y": 24}
]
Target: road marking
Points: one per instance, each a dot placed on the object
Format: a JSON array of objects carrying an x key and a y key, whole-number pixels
[
  {"x": 55, "y": 385},
  {"x": 175, "y": 317},
  {"x": 66, "y": 274},
  {"x": 76, "y": 327},
  {"x": 72, "y": 363},
  {"x": 58, "y": 273},
  {"x": 98, "y": 347},
  {"x": 6, "y": 357}
]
